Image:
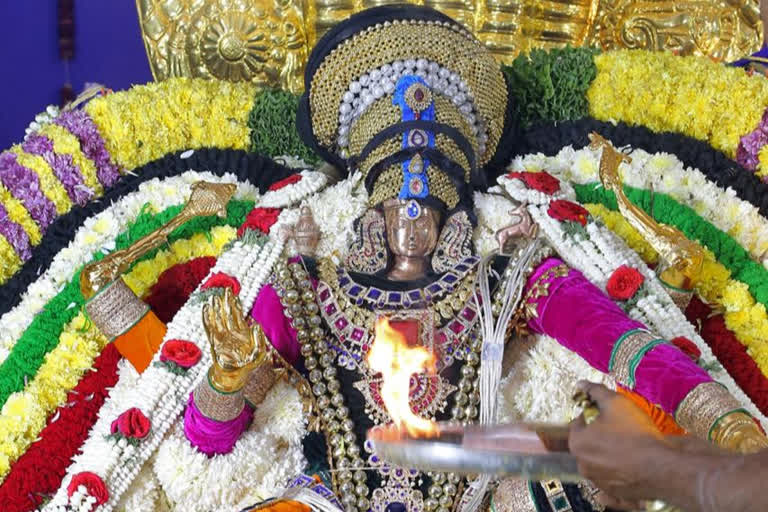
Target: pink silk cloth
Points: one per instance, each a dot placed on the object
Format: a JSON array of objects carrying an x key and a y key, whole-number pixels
[
  {"x": 585, "y": 320},
  {"x": 574, "y": 312}
]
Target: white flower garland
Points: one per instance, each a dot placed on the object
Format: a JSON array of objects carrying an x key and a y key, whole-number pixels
[
  {"x": 541, "y": 379},
  {"x": 335, "y": 210},
  {"x": 600, "y": 255},
  {"x": 518, "y": 191},
  {"x": 668, "y": 175},
  {"x": 310, "y": 183},
  {"x": 98, "y": 234},
  {"x": 262, "y": 461},
  {"x": 159, "y": 394}
]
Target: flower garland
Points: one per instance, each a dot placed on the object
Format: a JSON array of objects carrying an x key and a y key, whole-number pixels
[
  {"x": 36, "y": 189},
  {"x": 730, "y": 352},
  {"x": 668, "y": 211},
  {"x": 99, "y": 234},
  {"x": 24, "y": 413},
  {"x": 251, "y": 171},
  {"x": 262, "y": 461},
  {"x": 551, "y": 138},
  {"x": 65, "y": 143},
  {"x": 597, "y": 253},
  {"x": 689, "y": 95},
  {"x": 62, "y": 166},
  {"x": 160, "y": 394},
  {"x": 40, "y": 337},
  {"x": 664, "y": 173},
  {"x": 173, "y": 287},
  {"x": 39, "y": 470},
  {"x": 147, "y": 121},
  {"x": 714, "y": 285},
  {"x": 294, "y": 190},
  {"x": 91, "y": 142}
]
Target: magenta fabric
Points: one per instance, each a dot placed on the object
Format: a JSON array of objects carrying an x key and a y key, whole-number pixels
[
  {"x": 268, "y": 312},
  {"x": 585, "y": 320},
  {"x": 210, "y": 436}
]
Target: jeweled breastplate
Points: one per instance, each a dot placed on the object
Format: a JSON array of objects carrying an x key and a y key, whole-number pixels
[{"x": 334, "y": 318}]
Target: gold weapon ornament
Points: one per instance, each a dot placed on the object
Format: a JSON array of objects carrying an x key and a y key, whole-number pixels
[
  {"x": 206, "y": 199},
  {"x": 683, "y": 258}
]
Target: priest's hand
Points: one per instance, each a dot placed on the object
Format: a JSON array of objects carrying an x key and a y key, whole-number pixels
[
  {"x": 236, "y": 348},
  {"x": 619, "y": 450}
]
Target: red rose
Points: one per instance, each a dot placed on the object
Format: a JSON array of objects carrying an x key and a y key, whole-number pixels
[
  {"x": 94, "y": 486},
  {"x": 541, "y": 181},
  {"x": 222, "y": 280},
  {"x": 132, "y": 423},
  {"x": 624, "y": 283},
  {"x": 688, "y": 347},
  {"x": 261, "y": 219},
  {"x": 290, "y": 180},
  {"x": 183, "y": 353},
  {"x": 561, "y": 209}
]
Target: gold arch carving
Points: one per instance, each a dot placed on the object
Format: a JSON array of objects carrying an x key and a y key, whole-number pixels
[{"x": 268, "y": 41}]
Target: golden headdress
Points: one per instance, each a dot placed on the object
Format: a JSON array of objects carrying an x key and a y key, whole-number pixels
[{"x": 410, "y": 99}]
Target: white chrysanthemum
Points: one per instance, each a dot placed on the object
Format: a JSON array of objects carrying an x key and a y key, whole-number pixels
[
  {"x": 143, "y": 494},
  {"x": 541, "y": 380},
  {"x": 492, "y": 215},
  {"x": 262, "y": 461}
]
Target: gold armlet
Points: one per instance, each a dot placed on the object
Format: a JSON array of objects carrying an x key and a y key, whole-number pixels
[{"x": 739, "y": 433}]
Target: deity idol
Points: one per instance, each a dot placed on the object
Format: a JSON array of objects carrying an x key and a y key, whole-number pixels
[{"x": 412, "y": 104}]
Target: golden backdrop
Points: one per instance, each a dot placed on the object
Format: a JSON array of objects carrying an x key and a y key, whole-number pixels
[{"x": 268, "y": 41}]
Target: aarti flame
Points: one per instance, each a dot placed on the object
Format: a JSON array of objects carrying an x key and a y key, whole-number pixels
[{"x": 391, "y": 355}]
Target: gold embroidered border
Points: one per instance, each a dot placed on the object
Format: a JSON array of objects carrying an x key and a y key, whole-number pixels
[
  {"x": 115, "y": 309},
  {"x": 703, "y": 406},
  {"x": 218, "y": 406},
  {"x": 681, "y": 298},
  {"x": 259, "y": 382},
  {"x": 513, "y": 496},
  {"x": 627, "y": 352}
]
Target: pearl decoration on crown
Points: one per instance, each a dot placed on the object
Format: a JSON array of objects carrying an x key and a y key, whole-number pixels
[{"x": 380, "y": 82}]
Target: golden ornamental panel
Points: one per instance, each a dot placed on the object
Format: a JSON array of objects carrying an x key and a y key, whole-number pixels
[{"x": 268, "y": 41}]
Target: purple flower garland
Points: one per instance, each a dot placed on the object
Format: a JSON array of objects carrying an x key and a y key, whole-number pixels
[
  {"x": 750, "y": 144},
  {"x": 15, "y": 234},
  {"x": 82, "y": 126},
  {"x": 63, "y": 167},
  {"x": 24, "y": 185}
]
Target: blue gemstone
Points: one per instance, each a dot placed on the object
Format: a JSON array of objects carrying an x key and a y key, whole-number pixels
[
  {"x": 435, "y": 288},
  {"x": 462, "y": 268},
  {"x": 344, "y": 281},
  {"x": 355, "y": 290},
  {"x": 413, "y": 210},
  {"x": 394, "y": 298},
  {"x": 450, "y": 278},
  {"x": 415, "y": 294},
  {"x": 395, "y": 506},
  {"x": 374, "y": 293}
]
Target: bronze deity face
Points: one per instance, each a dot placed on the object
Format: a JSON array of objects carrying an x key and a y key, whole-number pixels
[{"x": 412, "y": 234}]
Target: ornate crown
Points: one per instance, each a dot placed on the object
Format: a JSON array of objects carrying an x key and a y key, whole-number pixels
[{"x": 410, "y": 99}]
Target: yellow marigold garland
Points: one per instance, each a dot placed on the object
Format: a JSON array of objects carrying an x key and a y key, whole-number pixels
[
  {"x": 50, "y": 185},
  {"x": 690, "y": 95},
  {"x": 24, "y": 414},
  {"x": 762, "y": 166},
  {"x": 10, "y": 263},
  {"x": 67, "y": 144},
  {"x": 18, "y": 214},
  {"x": 747, "y": 319},
  {"x": 149, "y": 121},
  {"x": 144, "y": 274}
]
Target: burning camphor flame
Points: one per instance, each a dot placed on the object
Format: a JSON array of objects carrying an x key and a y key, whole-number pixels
[{"x": 391, "y": 355}]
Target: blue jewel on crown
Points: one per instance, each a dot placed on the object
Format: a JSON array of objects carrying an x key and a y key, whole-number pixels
[
  {"x": 414, "y": 97},
  {"x": 413, "y": 210}
]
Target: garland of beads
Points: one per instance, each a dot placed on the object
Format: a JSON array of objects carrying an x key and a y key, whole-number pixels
[{"x": 298, "y": 300}]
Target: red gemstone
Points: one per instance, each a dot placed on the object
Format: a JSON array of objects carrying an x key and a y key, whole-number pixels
[{"x": 418, "y": 95}]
